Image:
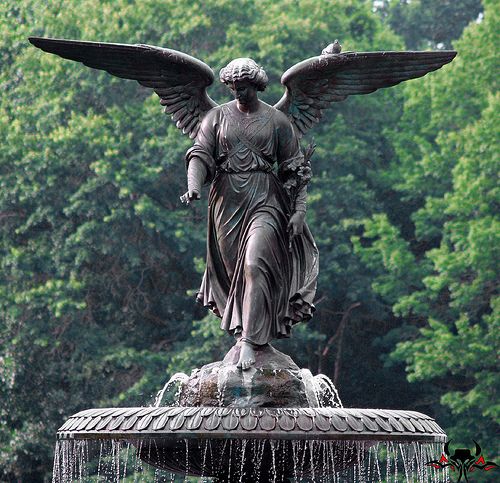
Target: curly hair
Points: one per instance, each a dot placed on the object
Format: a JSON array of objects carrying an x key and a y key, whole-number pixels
[{"x": 244, "y": 69}]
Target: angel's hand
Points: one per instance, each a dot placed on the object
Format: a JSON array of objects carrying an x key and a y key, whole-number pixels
[
  {"x": 296, "y": 224},
  {"x": 189, "y": 196}
]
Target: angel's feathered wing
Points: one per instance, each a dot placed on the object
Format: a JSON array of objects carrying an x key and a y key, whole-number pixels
[
  {"x": 180, "y": 80},
  {"x": 313, "y": 84}
]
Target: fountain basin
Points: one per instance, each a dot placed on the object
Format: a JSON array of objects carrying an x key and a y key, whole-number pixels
[
  {"x": 272, "y": 423},
  {"x": 252, "y": 423},
  {"x": 272, "y": 443}
]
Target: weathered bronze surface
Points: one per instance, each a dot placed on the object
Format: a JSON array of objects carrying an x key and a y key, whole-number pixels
[
  {"x": 252, "y": 423},
  {"x": 274, "y": 381},
  {"x": 262, "y": 262},
  {"x": 194, "y": 440}
]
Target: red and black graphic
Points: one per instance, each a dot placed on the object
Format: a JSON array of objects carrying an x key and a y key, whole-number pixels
[{"x": 463, "y": 461}]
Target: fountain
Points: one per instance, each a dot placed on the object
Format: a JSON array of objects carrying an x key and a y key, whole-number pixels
[
  {"x": 266, "y": 424},
  {"x": 255, "y": 416}
]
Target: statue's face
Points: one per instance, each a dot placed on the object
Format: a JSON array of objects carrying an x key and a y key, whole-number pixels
[{"x": 244, "y": 91}]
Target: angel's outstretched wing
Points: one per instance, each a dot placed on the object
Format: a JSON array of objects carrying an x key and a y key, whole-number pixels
[
  {"x": 179, "y": 79},
  {"x": 313, "y": 84}
]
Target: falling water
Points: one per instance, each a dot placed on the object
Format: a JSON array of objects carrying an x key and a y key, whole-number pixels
[
  {"x": 326, "y": 392},
  {"x": 319, "y": 389},
  {"x": 222, "y": 378},
  {"x": 176, "y": 381},
  {"x": 246, "y": 460},
  {"x": 255, "y": 460}
]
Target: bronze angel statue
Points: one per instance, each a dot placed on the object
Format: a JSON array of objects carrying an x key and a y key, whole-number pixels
[{"x": 262, "y": 262}]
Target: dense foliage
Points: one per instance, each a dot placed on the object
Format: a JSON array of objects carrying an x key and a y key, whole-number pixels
[
  {"x": 99, "y": 261},
  {"x": 440, "y": 267},
  {"x": 427, "y": 23}
]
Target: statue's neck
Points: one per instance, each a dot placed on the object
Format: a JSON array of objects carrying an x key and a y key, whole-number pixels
[{"x": 249, "y": 108}]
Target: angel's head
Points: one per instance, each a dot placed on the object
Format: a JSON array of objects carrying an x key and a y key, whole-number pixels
[{"x": 244, "y": 69}]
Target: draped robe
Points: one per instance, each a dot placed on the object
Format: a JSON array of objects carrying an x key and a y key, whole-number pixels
[{"x": 258, "y": 279}]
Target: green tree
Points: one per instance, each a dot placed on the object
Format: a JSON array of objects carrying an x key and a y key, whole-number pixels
[
  {"x": 442, "y": 275},
  {"x": 427, "y": 23},
  {"x": 98, "y": 259}
]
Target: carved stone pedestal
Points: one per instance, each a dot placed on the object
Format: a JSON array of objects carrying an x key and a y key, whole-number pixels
[{"x": 274, "y": 381}]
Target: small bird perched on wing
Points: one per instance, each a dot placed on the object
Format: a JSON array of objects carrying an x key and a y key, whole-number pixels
[{"x": 334, "y": 48}]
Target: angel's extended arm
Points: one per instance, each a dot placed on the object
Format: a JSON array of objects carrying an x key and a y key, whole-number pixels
[{"x": 200, "y": 159}]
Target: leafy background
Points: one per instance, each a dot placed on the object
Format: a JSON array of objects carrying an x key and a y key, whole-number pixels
[{"x": 99, "y": 261}]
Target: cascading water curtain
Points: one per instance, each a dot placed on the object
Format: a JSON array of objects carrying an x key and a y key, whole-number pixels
[{"x": 252, "y": 460}]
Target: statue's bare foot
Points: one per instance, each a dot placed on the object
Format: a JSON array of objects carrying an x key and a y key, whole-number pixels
[{"x": 247, "y": 356}]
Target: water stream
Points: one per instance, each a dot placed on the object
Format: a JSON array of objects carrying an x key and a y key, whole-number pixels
[
  {"x": 326, "y": 392},
  {"x": 246, "y": 460},
  {"x": 313, "y": 461},
  {"x": 320, "y": 390},
  {"x": 165, "y": 396}
]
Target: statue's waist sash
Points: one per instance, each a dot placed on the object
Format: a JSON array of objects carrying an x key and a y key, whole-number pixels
[{"x": 227, "y": 168}]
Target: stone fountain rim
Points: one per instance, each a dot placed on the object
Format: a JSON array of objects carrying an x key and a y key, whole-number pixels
[{"x": 174, "y": 423}]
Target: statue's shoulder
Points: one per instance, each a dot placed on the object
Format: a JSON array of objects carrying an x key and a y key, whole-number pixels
[
  {"x": 216, "y": 110},
  {"x": 275, "y": 114},
  {"x": 212, "y": 116},
  {"x": 279, "y": 117},
  {"x": 227, "y": 109}
]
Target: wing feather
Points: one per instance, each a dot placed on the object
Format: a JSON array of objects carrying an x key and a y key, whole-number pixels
[
  {"x": 313, "y": 84},
  {"x": 179, "y": 80},
  {"x": 182, "y": 118},
  {"x": 190, "y": 128}
]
